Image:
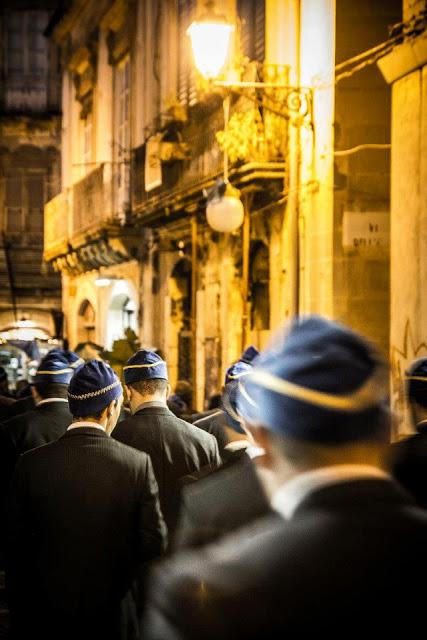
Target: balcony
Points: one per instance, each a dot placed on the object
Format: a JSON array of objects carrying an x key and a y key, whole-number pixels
[
  {"x": 56, "y": 226},
  {"x": 255, "y": 142},
  {"x": 85, "y": 227}
]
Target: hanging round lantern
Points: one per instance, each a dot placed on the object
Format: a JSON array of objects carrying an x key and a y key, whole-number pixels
[{"x": 225, "y": 212}]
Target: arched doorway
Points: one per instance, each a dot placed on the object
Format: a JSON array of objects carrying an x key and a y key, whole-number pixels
[
  {"x": 122, "y": 313},
  {"x": 86, "y": 317},
  {"x": 180, "y": 297},
  {"x": 260, "y": 293}
]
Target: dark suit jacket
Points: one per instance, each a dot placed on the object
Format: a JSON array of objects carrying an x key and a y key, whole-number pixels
[
  {"x": 348, "y": 564},
  {"x": 84, "y": 516},
  {"x": 20, "y": 406},
  {"x": 176, "y": 449},
  {"x": 408, "y": 463},
  {"x": 229, "y": 498},
  {"x": 45, "y": 423},
  {"x": 214, "y": 424}
]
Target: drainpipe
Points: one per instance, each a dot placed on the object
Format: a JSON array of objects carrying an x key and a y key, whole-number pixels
[{"x": 194, "y": 304}]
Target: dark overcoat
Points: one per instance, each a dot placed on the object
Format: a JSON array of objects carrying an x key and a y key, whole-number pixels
[
  {"x": 177, "y": 449},
  {"x": 43, "y": 424},
  {"x": 348, "y": 564},
  {"x": 84, "y": 518},
  {"x": 227, "y": 499},
  {"x": 408, "y": 463}
]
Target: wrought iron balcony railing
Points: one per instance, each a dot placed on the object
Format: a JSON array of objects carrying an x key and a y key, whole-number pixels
[{"x": 252, "y": 138}]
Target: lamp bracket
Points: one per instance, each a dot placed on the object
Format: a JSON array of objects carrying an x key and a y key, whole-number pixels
[{"x": 288, "y": 102}]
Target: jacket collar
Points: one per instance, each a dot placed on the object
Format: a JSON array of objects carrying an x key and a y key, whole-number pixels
[{"x": 85, "y": 431}]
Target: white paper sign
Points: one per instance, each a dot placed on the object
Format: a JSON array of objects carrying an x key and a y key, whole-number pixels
[
  {"x": 153, "y": 165},
  {"x": 366, "y": 230}
]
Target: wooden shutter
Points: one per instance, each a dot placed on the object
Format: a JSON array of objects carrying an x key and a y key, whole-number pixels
[
  {"x": 186, "y": 72},
  {"x": 252, "y": 30}
]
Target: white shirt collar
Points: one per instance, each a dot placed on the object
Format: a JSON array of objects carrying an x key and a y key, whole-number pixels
[
  {"x": 287, "y": 498},
  {"x": 82, "y": 423},
  {"x": 150, "y": 403},
  {"x": 47, "y": 400}
]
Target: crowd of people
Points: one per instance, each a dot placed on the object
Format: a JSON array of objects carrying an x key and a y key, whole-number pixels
[{"x": 284, "y": 508}]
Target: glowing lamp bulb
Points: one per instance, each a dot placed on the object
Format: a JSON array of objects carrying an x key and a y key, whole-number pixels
[
  {"x": 225, "y": 214},
  {"x": 210, "y": 40}
]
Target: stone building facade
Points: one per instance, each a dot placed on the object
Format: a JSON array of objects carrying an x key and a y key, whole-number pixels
[
  {"x": 30, "y": 136},
  {"x": 140, "y": 148},
  {"x": 405, "y": 69}
]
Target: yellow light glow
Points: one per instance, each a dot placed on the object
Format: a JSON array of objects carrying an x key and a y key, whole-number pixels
[{"x": 210, "y": 42}]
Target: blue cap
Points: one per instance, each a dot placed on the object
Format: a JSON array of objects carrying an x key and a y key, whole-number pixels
[
  {"x": 416, "y": 381},
  {"x": 72, "y": 358},
  {"x": 234, "y": 373},
  {"x": 93, "y": 387},
  {"x": 242, "y": 366},
  {"x": 53, "y": 368},
  {"x": 145, "y": 365},
  {"x": 322, "y": 384}
]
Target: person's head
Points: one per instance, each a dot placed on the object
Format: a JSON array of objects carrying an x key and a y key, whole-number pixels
[
  {"x": 52, "y": 378},
  {"x": 95, "y": 395},
  {"x": 317, "y": 398},
  {"x": 74, "y": 360},
  {"x": 234, "y": 374},
  {"x": 416, "y": 389},
  {"x": 4, "y": 383},
  {"x": 184, "y": 390},
  {"x": 146, "y": 378}
]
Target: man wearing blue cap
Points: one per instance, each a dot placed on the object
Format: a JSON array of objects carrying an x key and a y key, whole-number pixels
[
  {"x": 84, "y": 517},
  {"x": 176, "y": 448},
  {"x": 220, "y": 423},
  {"x": 408, "y": 457},
  {"x": 345, "y": 538},
  {"x": 46, "y": 422},
  {"x": 232, "y": 496}
]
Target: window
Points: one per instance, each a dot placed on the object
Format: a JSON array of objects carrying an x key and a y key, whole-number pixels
[
  {"x": 14, "y": 203},
  {"x": 122, "y": 133},
  {"x": 252, "y": 28},
  {"x": 24, "y": 202},
  {"x": 186, "y": 71},
  {"x": 26, "y": 46}
]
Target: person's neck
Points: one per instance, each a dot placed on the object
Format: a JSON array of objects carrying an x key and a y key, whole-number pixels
[
  {"x": 90, "y": 421},
  {"x": 144, "y": 399}
]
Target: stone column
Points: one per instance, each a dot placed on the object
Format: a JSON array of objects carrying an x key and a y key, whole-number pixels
[{"x": 406, "y": 69}]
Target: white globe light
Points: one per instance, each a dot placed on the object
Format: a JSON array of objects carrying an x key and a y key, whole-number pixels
[{"x": 225, "y": 214}]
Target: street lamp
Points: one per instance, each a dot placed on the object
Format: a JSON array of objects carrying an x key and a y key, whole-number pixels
[{"x": 210, "y": 40}]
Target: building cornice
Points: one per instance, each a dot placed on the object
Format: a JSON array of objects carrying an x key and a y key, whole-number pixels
[{"x": 404, "y": 59}]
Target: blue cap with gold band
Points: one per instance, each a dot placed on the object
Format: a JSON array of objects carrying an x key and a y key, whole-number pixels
[
  {"x": 92, "y": 388},
  {"x": 144, "y": 365},
  {"x": 322, "y": 384},
  {"x": 238, "y": 369},
  {"x": 416, "y": 381},
  {"x": 53, "y": 368},
  {"x": 72, "y": 358}
]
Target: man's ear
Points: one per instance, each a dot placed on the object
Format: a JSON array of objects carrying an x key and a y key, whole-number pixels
[
  {"x": 128, "y": 391},
  {"x": 168, "y": 390}
]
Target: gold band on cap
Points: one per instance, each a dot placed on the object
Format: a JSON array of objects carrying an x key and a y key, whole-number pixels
[
  {"x": 420, "y": 378},
  {"x": 93, "y": 394},
  {"x": 143, "y": 366},
  {"x": 367, "y": 396},
  {"x": 239, "y": 375},
  {"x": 53, "y": 373}
]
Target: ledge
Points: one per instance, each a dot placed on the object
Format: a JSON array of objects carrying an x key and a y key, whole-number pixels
[{"x": 404, "y": 59}]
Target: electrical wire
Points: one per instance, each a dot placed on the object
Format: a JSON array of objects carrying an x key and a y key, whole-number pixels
[{"x": 361, "y": 147}]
